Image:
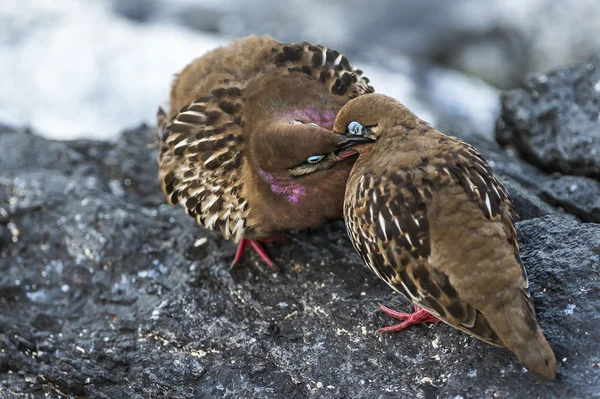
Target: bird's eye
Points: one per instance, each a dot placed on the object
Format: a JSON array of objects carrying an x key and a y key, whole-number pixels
[
  {"x": 315, "y": 158},
  {"x": 355, "y": 128}
]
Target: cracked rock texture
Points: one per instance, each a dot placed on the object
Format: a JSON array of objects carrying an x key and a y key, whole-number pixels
[{"x": 106, "y": 292}]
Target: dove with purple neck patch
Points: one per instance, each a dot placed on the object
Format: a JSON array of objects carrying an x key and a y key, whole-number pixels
[{"x": 246, "y": 147}]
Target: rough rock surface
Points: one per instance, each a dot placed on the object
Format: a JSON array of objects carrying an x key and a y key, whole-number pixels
[
  {"x": 105, "y": 292},
  {"x": 554, "y": 120},
  {"x": 577, "y": 195}
]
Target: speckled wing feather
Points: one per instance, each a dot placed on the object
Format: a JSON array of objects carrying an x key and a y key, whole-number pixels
[
  {"x": 329, "y": 67},
  {"x": 387, "y": 219},
  {"x": 202, "y": 146},
  {"x": 200, "y": 153}
]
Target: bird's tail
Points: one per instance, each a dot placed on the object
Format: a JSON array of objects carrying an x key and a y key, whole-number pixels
[{"x": 516, "y": 325}]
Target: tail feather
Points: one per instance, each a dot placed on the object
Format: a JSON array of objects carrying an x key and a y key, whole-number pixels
[{"x": 516, "y": 325}]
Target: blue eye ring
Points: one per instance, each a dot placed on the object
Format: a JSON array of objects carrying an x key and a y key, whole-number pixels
[
  {"x": 355, "y": 128},
  {"x": 315, "y": 158}
]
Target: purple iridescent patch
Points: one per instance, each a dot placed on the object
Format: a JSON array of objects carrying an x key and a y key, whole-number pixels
[
  {"x": 324, "y": 119},
  {"x": 284, "y": 185}
]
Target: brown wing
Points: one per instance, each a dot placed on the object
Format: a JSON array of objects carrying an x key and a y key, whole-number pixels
[
  {"x": 329, "y": 67},
  {"x": 200, "y": 154},
  {"x": 387, "y": 219},
  {"x": 202, "y": 145},
  {"x": 468, "y": 168}
]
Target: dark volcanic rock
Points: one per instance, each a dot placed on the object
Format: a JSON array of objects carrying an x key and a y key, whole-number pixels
[
  {"x": 577, "y": 195},
  {"x": 553, "y": 120},
  {"x": 107, "y": 293}
]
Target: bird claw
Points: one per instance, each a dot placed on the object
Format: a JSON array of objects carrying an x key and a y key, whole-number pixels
[
  {"x": 258, "y": 249},
  {"x": 417, "y": 317}
]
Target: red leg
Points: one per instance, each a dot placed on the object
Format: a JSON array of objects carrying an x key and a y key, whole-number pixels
[
  {"x": 258, "y": 248},
  {"x": 239, "y": 252},
  {"x": 263, "y": 255},
  {"x": 419, "y": 316}
]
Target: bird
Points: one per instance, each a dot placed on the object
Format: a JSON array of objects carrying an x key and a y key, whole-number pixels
[
  {"x": 427, "y": 215},
  {"x": 246, "y": 147}
]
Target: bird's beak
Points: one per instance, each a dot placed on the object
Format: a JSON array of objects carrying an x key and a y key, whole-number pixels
[
  {"x": 347, "y": 140},
  {"x": 352, "y": 144}
]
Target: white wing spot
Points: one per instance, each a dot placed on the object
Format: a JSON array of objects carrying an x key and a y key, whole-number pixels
[
  {"x": 182, "y": 143},
  {"x": 398, "y": 225},
  {"x": 226, "y": 228},
  {"x": 472, "y": 187},
  {"x": 209, "y": 202},
  {"x": 382, "y": 225},
  {"x": 215, "y": 155},
  {"x": 210, "y": 222},
  {"x": 496, "y": 190},
  {"x": 481, "y": 179},
  {"x": 488, "y": 204},
  {"x": 409, "y": 240},
  {"x": 195, "y": 113}
]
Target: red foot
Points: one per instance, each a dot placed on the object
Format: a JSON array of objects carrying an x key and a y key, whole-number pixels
[
  {"x": 258, "y": 248},
  {"x": 419, "y": 316}
]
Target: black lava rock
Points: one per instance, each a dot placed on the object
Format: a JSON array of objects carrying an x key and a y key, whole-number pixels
[
  {"x": 105, "y": 292},
  {"x": 577, "y": 195},
  {"x": 553, "y": 120}
]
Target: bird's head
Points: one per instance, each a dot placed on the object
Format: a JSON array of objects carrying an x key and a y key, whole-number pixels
[
  {"x": 291, "y": 122},
  {"x": 292, "y": 146},
  {"x": 369, "y": 116}
]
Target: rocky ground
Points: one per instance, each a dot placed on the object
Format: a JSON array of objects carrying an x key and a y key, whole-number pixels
[{"x": 105, "y": 292}]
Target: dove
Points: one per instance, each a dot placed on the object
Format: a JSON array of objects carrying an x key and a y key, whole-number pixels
[
  {"x": 427, "y": 215},
  {"x": 246, "y": 147}
]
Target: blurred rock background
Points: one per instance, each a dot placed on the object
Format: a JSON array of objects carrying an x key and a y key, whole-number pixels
[{"x": 76, "y": 68}]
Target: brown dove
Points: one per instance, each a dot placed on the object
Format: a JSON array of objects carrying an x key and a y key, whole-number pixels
[
  {"x": 427, "y": 215},
  {"x": 247, "y": 146}
]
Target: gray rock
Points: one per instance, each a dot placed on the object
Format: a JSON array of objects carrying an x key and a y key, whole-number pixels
[
  {"x": 528, "y": 204},
  {"x": 553, "y": 120},
  {"x": 577, "y": 195},
  {"x": 108, "y": 293}
]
